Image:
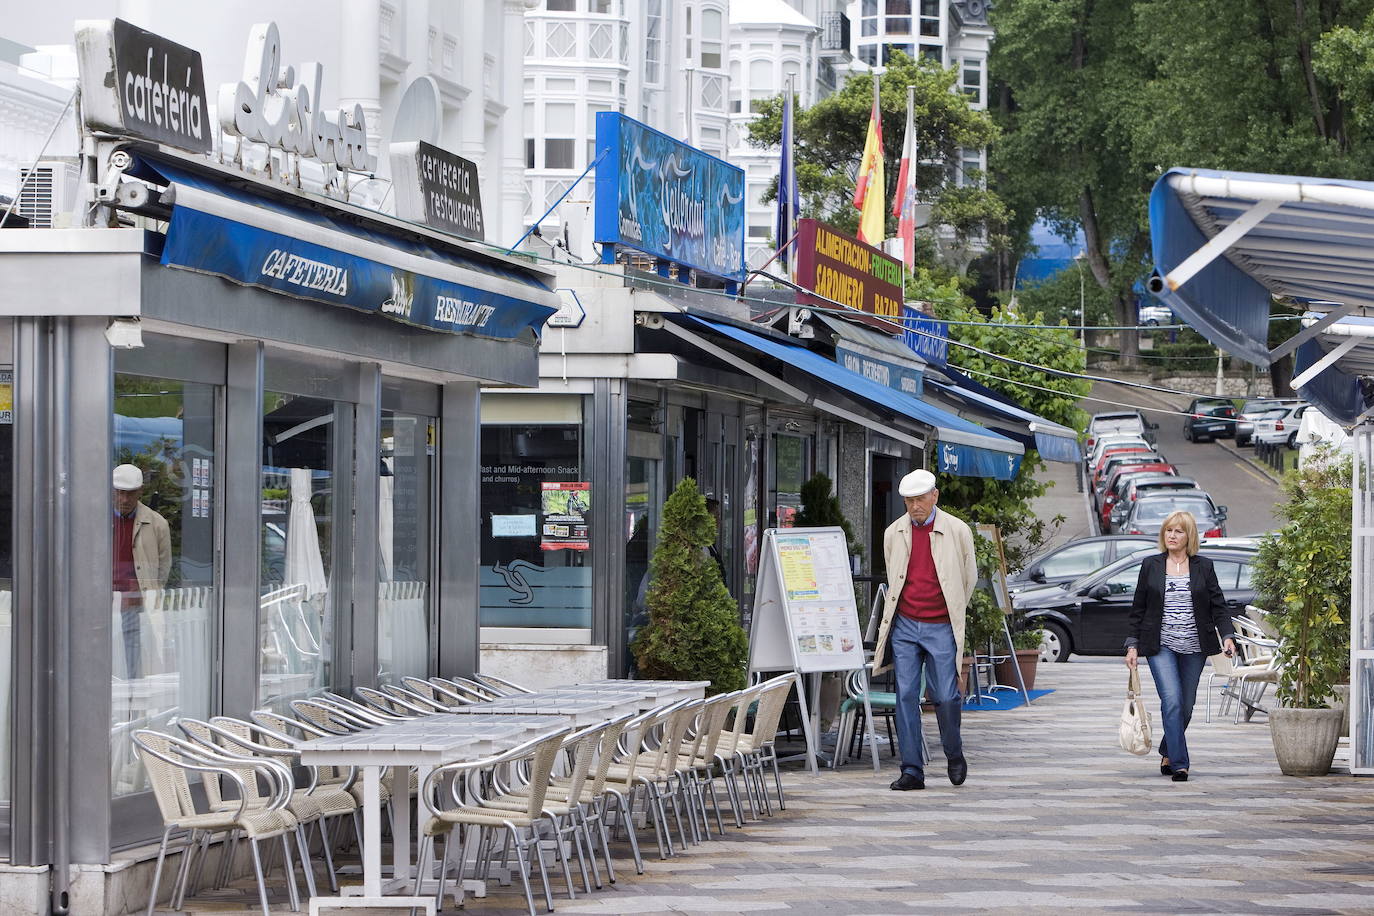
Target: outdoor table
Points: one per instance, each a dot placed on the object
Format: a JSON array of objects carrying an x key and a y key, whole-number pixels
[
  {"x": 424, "y": 744},
  {"x": 586, "y": 704}
]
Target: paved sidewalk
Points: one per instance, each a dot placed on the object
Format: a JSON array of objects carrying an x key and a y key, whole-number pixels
[{"x": 1053, "y": 818}]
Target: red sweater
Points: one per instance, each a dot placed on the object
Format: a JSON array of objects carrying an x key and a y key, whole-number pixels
[{"x": 922, "y": 598}]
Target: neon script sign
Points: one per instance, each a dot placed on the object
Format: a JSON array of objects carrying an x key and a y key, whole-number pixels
[{"x": 269, "y": 105}]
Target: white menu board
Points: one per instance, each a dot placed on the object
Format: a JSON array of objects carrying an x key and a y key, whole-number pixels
[{"x": 805, "y": 617}]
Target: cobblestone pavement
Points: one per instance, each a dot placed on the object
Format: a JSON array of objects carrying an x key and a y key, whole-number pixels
[{"x": 1053, "y": 818}]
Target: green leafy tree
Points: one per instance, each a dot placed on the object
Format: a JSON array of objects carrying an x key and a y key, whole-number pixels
[
  {"x": 693, "y": 631},
  {"x": 1096, "y": 99},
  {"x": 820, "y": 508},
  {"x": 1302, "y": 576},
  {"x": 829, "y": 141},
  {"x": 1009, "y": 503}
]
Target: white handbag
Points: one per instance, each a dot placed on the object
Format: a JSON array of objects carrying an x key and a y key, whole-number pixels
[{"x": 1135, "y": 719}]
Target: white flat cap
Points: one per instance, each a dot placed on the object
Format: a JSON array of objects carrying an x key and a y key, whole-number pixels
[
  {"x": 917, "y": 483},
  {"x": 128, "y": 477}
]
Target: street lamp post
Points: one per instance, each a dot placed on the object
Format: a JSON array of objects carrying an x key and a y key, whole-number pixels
[{"x": 1082, "y": 324}]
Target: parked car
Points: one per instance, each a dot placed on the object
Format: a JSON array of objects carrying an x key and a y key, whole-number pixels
[
  {"x": 1279, "y": 427},
  {"x": 1143, "y": 489},
  {"x": 1076, "y": 559},
  {"x": 1120, "y": 421},
  {"x": 1114, "y": 488},
  {"x": 1209, "y": 420},
  {"x": 1253, "y": 408},
  {"x": 1093, "y": 455},
  {"x": 1155, "y": 315},
  {"x": 1147, "y": 515},
  {"x": 1101, "y": 476},
  {"x": 1091, "y": 615}
]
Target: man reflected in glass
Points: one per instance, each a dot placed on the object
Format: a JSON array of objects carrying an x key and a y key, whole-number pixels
[{"x": 142, "y": 559}]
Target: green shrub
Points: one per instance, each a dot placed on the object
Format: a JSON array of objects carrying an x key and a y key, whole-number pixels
[
  {"x": 1302, "y": 578},
  {"x": 693, "y": 633}
]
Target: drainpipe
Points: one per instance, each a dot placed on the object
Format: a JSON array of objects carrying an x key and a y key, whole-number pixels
[{"x": 59, "y": 619}]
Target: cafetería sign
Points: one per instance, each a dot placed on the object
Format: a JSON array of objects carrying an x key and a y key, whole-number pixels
[
  {"x": 135, "y": 83},
  {"x": 842, "y": 268}
]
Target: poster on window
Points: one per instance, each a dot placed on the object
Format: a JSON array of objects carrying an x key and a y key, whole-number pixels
[{"x": 566, "y": 506}]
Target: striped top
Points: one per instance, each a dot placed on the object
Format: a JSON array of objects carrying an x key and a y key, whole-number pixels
[{"x": 1179, "y": 630}]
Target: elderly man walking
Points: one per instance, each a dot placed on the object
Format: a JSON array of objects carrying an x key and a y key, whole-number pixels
[{"x": 931, "y": 571}]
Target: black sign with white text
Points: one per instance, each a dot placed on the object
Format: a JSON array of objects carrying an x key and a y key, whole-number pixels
[
  {"x": 437, "y": 188},
  {"x": 138, "y": 84}
]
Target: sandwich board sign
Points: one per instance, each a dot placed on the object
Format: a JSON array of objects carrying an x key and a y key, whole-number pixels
[{"x": 805, "y": 618}]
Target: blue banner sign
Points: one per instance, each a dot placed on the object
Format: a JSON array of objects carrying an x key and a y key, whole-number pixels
[
  {"x": 967, "y": 461},
  {"x": 927, "y": 336},
  {"x": 906, "y": 379},
  {"x": 667, "y": 199}
]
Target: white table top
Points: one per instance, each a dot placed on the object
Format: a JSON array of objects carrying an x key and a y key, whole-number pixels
[{"x": 431, "y": 740}]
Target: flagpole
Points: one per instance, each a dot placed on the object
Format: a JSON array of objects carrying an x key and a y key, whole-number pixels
[{"x": 911, "y": 170}]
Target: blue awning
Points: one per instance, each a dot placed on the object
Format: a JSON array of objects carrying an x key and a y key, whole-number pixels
[
  {"x": 1226, "y": 243},
  {"x": 965, "y": 449},
  {"x": 1053, "y": 441},
  {"x": 337, "y": 258}
]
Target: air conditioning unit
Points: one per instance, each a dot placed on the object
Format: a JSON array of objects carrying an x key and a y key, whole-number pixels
[{"x": 49, "y": 194}]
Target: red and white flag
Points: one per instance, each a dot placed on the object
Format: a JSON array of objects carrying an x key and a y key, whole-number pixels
[{"x": 904, "y": 201}]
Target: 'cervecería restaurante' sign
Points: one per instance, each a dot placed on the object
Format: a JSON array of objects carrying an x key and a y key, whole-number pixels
[{"x": 842, "y": 268}]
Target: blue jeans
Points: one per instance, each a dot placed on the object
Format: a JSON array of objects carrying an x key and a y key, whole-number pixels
[
  {"x": 918, "y": 646},
  {"x": 1176, "y": 676}
]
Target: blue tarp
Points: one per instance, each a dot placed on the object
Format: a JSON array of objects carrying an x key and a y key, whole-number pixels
[
  {"x": 245, "y": 252},
  {"x": 1053, "y": 441},
  {"x": 1313, "y": 248},
  {"x": 965, "y": 449}
]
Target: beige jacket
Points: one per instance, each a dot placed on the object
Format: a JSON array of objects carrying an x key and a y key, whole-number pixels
[
  {"x": 951, "y": 545},
  {"x": 152, "y": 548}
]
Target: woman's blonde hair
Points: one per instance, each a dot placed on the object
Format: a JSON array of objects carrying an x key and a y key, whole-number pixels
[{"x": 1185, "y": 521}]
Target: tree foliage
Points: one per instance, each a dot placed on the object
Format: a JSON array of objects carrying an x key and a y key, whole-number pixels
[
  {"x": 1008, "y": 503},
  {"x": 829, "y": 141},
  {"x": 693, "y": 631},
  {"x": 1302, "y": 576},
  {"x": 1097, "y": 99},
  {"x": 820, "y": 508}
]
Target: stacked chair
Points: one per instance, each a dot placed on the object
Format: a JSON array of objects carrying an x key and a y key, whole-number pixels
[{"x": 567, "y": 791}]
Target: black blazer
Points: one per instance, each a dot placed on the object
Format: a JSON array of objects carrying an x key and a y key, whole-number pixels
[{"x": 1209, "y": 606}]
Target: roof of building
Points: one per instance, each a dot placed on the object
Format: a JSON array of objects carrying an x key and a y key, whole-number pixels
[{"x": 767, "y": 12}]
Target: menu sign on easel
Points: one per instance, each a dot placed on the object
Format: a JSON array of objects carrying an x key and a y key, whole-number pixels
[{"x": 804, "y": 611}]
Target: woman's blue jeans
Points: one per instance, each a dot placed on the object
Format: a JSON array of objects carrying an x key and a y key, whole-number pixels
[
  {"x": 1176, "y": 676},
  {"x": 916, "y": 645}
]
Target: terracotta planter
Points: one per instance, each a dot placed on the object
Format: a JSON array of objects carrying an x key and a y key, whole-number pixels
[
  {"x": 1305, "y": 739},
  {"x": 1026, "y": 660}
]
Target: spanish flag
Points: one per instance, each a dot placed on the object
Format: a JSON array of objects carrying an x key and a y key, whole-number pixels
[{"x": 868, "y": 192}]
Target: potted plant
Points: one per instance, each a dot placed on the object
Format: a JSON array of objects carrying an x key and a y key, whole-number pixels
[
  {"x": 693, "y": 631},
  {"x": 1302, "y": 577}
]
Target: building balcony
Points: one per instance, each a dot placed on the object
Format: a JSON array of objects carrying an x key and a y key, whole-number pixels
[{"x": 835, "y": 34}]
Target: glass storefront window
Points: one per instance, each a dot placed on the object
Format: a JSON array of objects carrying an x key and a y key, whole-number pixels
[
  {"x": 295, "y": 619},
  {"x": 537, "y": 505},
  {"x": 641, "y": 503},
  {"x": 405, "y": 490},
  {"x": 791, "y": 468},
  {"x": 165, "y": 509}
]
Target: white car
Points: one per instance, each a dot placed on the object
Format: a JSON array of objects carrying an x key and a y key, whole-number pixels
[
  {"x": 1279, "y": 427},
  {"x": 1153, "y": 315}
]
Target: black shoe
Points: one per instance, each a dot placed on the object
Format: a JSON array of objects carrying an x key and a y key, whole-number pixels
[
  {"x": 958, "y": 771},
  {"x": 1164, "y": 768},
  {"x": 906, "y": 782},
  {"x": 1180, "y": 776}
]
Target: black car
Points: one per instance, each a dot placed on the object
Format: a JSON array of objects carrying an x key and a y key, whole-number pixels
[
  {"x": 1210, "y": 418},
  {"x": 1091, "y": 615},
  {"x": 1076, "y": 559}
]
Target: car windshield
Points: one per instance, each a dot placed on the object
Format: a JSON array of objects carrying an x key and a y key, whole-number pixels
[{"x": 1155, "y": 510}]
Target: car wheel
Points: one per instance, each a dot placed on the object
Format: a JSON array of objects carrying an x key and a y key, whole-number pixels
[
  {"x": 1054, "y": 644},
  {"x": 1293, "y": 439},
  {"x": 1187, "y": 434}
]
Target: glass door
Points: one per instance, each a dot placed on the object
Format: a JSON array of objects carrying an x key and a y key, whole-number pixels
[{"x": 404, "y": 539}]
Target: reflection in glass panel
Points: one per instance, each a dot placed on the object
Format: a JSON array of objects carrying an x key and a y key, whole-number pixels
[
  {"x": 6, "y": 545},
  {"x": 790, "y": 470},
  {"x": 403, "y": 540},
  {"x": 641, "y": 500},
  {"x": 298, "y": 476},
  {"x": 165, "y": 496}
]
